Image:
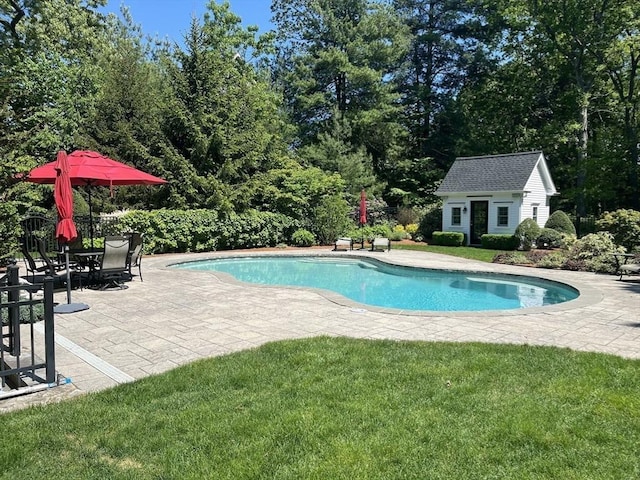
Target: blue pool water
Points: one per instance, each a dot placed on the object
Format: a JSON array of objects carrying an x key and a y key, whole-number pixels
[{"x": 382, "y": 285}]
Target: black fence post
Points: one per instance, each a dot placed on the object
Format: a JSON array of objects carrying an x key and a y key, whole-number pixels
[
  {"x": 49, "y": 334},
  {"x": 13, "y": 297}
]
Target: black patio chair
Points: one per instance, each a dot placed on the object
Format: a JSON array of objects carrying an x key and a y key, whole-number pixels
[
  {"x": 135, "y": 253},
  {"x": 31, "y": 264}
]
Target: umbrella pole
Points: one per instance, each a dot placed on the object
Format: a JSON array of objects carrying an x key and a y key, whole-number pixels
[
  {"x": 91, "y": 219},
  {"x": 66, "y": 261},
  {"x": 69, "y": 307}
]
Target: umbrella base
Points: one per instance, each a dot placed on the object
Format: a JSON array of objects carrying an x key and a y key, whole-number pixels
[{"x": 70, "y": 307}]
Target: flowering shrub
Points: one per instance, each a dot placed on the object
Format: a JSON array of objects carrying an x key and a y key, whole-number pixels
[
  {"x": 624, "y": 225},
  {"x": 593, "y": 253}
]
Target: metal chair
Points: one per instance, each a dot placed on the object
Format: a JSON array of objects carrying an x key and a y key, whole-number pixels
[
  {"x": 30, "y": 263},
  {"x": 135, "y": 253},
  {"x": 114, "y": 262}
]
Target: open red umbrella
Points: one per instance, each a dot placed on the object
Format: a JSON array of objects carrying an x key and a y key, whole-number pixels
[
  {"x": 92, "y": 168},
  {"x": 87, "y": 168},
  {"x": 65, "y": 229}
]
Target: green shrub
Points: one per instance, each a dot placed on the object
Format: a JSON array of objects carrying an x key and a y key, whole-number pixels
[
  {"x": 493, "y": 241},
  {"x": 303, "y": 238},
  {"x": 397, "y": 236},
  {"x": 448, "y": 239},
  {"x": 370, "y": 232},
  {"x": 624, "y": 225},
  {"x": 407, "y": 215},
  {"x": 512, "y": 258},
  {"x": 527, "y": 232},
  {"x": 10, "y": 231},
  {"x": 179, "y": 231},
  {"x": 549, "y": 238},
  {"x": 331, "y": 219},
  {"x": 398, "y": 233},
  {"x": 430, "y": 222},
  {"x": 560, "y": 222},
  {"x": 593, "y": 253},
  {"x": 411, "y": 229},
  {"x": 552, "y": 260}
]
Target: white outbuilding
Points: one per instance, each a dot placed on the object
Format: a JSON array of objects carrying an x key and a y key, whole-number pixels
[{"x": 494, "y": 193}]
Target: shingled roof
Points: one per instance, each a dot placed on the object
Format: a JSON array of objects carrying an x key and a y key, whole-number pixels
[{"x": 491, "y": 173}]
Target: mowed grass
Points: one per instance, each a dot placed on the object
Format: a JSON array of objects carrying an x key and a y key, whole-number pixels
[
  {"x": 471, "y": 253},
  {"x": 336, "y": 408}
]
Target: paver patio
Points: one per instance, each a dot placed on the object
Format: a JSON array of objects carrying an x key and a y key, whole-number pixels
[{"x": 177, "y": 316}]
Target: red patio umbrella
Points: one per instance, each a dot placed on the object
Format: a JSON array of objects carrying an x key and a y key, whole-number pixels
[
  {"x": 92, "y": 168},
  {"x": 363, "y": 215},
  {"x": 63, "y": 195},
  {"x": 65, "y": 229},
  {"x": 87, "y": 168},
  {"x": 363, "y": 207}
]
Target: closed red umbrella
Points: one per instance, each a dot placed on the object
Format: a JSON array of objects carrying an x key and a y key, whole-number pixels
[
  {"x": 63, "y": 195},
  {"x": 363, "y": 207},
  {"x": 65, "y": 229}
]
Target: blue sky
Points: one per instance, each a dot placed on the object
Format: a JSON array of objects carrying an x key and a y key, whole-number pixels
[{"x": 171, "y": 18}]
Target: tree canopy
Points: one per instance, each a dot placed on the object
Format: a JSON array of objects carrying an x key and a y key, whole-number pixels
[{"x": 343, "y": 94}]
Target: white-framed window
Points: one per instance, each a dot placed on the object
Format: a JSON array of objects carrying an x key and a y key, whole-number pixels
[
  {"x": 534, "y": 213},
  {"x": 503, "y": 216},
  {"x": 456, "y": 216}
]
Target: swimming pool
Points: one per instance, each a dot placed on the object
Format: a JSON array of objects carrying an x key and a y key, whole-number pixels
[{"x": 379, "y": 284}]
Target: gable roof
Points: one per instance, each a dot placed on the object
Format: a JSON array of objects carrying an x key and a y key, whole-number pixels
[{"x": 494, "y": 173}]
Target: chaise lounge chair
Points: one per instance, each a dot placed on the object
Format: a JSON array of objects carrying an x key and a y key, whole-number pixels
[
  {"x": 380, "y": 244},
  {"x": 629, "y": 269},
  {"x": 343, "y": 242}
]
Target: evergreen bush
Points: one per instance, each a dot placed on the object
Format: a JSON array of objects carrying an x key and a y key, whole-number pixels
[
  {"x": 493, "y": 241},
  {"x": 331, "y": 219},
  {"x": 303, "y": 238},
  {"x": 549, "y": 238},
  {"x": 560, "y": 222},
  {"x": 449, "y": 239},
  {"x": 430, "y": 222},
  {"x": 527, "y": 232}
]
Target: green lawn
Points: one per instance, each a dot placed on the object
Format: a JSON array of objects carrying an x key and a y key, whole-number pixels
[
  {"x": 472, "y": 253},
  {"x": 336, "y": 408}
]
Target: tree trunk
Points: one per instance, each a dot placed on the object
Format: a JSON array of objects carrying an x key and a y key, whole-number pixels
[
  {"x": 634, "y": 161},
  {"x": 581, "y": 175}
]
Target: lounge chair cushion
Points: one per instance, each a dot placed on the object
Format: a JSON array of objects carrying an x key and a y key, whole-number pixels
[
  {"x": 381, "y": 244},
  {"x": 344, "y": 242}
]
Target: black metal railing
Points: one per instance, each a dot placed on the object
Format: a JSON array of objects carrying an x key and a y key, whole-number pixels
[
  {"x": 25, "y": 361},
  {"x": 45, "y": 227}
]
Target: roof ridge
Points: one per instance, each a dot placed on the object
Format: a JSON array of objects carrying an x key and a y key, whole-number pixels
[{"x": 500, "y": 155}]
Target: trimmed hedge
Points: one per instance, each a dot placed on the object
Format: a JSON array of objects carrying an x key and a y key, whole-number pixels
[
  {"x": 549, "y": 238},
  {"x": 495, "y": 241},
  {"x": 448, "y": 239},
  {"x": 179, "y": 231},
  {"x": 527, "y": 232},
  {"x": 560, "y": 222}
]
